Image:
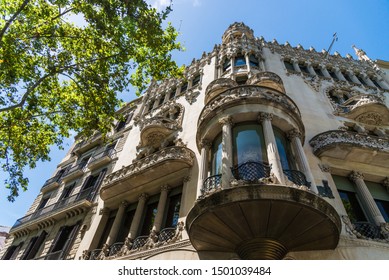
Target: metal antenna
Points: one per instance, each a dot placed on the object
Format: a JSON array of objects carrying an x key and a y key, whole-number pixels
[{"x": 334, "y": 38}]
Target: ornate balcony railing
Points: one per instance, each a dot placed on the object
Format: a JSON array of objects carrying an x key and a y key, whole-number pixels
[
  {"x": 251, "y": 171},
  {"x": 297, "y": 177},
  {"x": 111, "y": 153},
  {"x": 94, "y": 254},
  {"x": 139, "y": 242},
  {"x": 166, "y": 234},
  {"x": 368, "y": 230},
  {"x": 63, "y": 203},
  {"x": 115, "y": 248},
  {"x": 211, "y": 183}
]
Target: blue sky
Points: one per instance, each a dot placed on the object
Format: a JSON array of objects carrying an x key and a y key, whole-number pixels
[{"x": 202, "y": 22}]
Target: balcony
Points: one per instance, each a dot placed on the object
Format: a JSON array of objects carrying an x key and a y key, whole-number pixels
[
  {"x": 338, "y": 146},
  {"x": 167, "y": 163},
  {"x": 100, "y": 159},
  {"x": 258, "y": 219},
  {"x": 365, "y": 108},
  {"x": 51, "y": 183},
  {"x": 91, "y": 142},
  {"x": 65, "y": 208},
  {"x": 73, "y": 172},
  {"x": 267, "y": 79},
  {"x": 218, "y": 86}
]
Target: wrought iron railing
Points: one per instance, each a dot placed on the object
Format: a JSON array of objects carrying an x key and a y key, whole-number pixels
[
  {"x": 297, "y": 177},
  {"x": 89, "y": 140},
  {"x": 56, "y": 178},
  {"x": 94, "y": 254},
  {"x": 74, "y": 169},
  {"x": 251, "y": 171},
  {"x": 166, "y": 234},
  {"x": 211, "y": 183},
  {"x": 109, "y": 153},
  {"x": 115, "y": 248},
  {"x": 139, "y": 242},
  {"x": 368, "y": 230},
  {"x": 65, "y": 202}
]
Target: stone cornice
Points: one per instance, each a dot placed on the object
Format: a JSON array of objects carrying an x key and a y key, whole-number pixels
[{"x": 330, "y": 139}]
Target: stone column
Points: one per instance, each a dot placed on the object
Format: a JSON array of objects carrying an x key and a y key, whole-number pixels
[
  {"x": 271, "y": 146},
  {"x": 324, "y": 71},
  {"x": 366, "y": 198},
  {"x": 203, "y": 168},
  {"x": 296, "y": 65},
  {"x": 310, "y": 69},
  {"x": 161, "y": 208},
  {"x": 137, "y": 216},
  {"x": 295, "y": 138},
  {"x": 116, "y": 223},
  {"x": 339, "y": 74},
  {"x": 226, "y": 123},
  {"x": 247, "y": 57}
]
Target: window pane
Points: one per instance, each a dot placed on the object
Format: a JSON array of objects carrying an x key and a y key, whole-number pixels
[
  {"x": 148, "y": 222},
  {"x": 240, "y": 61},
  {"x": 248, "y": 144},
  {"x": 351, "y": 204},
  {"x": 173, "y": 212},
  {"x": 283, "y": 149},
  {"x": 289, "y": 65},
  {"x": 253, "y": 61},
  {"x": 384, "y": 208},
  {"x": 217, "y": 156}
]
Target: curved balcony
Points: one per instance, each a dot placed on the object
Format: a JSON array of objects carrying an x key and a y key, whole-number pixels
[
  {"x": 218, "y": 86},
  {"x": 170, "y": 161},
  {"x": 339, "y": 146},
  {"x": 262, "y": 221},
  {"x": 365, "y": 108},
  {"x": 247, "y": 100},
  {"x": 268, "y": 80}
]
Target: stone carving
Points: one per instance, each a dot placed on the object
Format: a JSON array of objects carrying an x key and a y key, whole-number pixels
[
  {"x": 371, "y": 118},
  {"x": 126, "y": 248},
  {"x": 350, "y": 227},
  {"x": 182, "y": 154},
  {"x": 151, "y": 240},
  {"x": 327, "y": 140},
  {"x": 103, "y": 253},
  {"x": 85, "y": 255},
  {"x": 385, "y": 183},
  {"x": 191, "y": 96},
  {"x": 325, "y": 168},
  {"x": 249, "y": 94}
]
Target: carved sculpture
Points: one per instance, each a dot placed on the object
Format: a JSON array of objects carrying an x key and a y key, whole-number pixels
[
  {"x": 151, "y": 240},
  {"x": 104, "y": 252},
  {"x": 126, "y": 248}
]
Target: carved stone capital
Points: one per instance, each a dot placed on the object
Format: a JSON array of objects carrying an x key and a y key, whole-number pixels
[
  {"x": 186, "y": 179},
  {"x": 325, "y": 168},
  {"x": 123, "y": 204},
  {"x": 205, "y": 143},
  {"x": 165, "y": 188},
  {"x": 143, "y": 196},
  {"x": 294, "y": 133},
  {"x": 355, "y": 175},
  {"x": 226, "y": 121},
  {"x": 104, "y": 211},
  {"x": 265, "y": 117}
]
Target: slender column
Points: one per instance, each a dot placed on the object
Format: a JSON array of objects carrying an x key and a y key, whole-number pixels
[
  {"x": 262, "y": 64},
  {"x": 113, "y": 234},
  {"x": 310, "y": 69},
  {"x": 203, "y": 170},
  {"x": 226, "y": 123},
  {"x": 161, "y": 208},
  {"x": 247, "y": 57},
  {"x": 339, "y": 74},
  {"x": 324, "y": 71},
  {"x": 366, "y": 198},
  {"x": 352, "y": 76},
  {"x": 296, "y": 66},
  {"x": 295, "y": 137},
  {"x": 271, "y": 146},
  {"x": 137, "y": 216},
  {"x": 232, "y": 59}
]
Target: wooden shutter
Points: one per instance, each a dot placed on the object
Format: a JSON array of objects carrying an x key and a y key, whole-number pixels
[
  {"x": 70, "y": 240},
  {"x": 37, "y": 244}
]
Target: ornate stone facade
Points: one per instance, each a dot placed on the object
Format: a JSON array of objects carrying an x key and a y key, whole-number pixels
[{"x": 248, "y": 156}]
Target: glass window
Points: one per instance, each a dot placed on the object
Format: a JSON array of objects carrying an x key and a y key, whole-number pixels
[
  {"x": 253, "y": 61},
  {"x": 173, "y": 211},
  {"x": 352, "y": 206},
  {"x": 184, "y": 87},
  {"x": 283, "y": 149},
  {"x": 196, "y": 81},
  {"x": 248, "y": 144},
  {"x": 226, "y": 65},
  {"x": 172, "y": 93},
  {"x": 384, "y": 208},
  {"x": 148, "y": 222},
  {"x": 240, "y": 61},
  {"x": 289, "y": 65},
  {"x": 217, "y": 155}
]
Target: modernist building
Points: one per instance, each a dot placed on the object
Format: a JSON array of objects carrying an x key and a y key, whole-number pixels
[{"x": 263, "y": 151}]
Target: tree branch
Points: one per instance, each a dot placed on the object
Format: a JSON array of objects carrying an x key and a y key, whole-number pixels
[{"x": 9, "y": 22}]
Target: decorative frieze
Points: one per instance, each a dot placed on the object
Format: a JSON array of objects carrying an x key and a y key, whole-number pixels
[{"x": 329, "y": 139}]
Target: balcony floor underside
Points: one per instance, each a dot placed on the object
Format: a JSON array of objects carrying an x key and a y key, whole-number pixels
[{"x": 265, "y": 218}]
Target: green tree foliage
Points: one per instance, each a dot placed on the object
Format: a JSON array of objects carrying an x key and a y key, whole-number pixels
[{"x": 57, "y": 76}]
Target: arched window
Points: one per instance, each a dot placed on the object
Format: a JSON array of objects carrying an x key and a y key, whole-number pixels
[{"x": 248, "y": 143}]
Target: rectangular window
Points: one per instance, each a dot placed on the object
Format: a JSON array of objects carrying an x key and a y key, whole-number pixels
[
  {"x": 173, "y": 210},
  {"x": 184, "y": 87},
  {"x": 196, "y": 80},
  {"x": 63, "y": 242},
  {"x": 304, "y": 68},
  {"x": 12, "y": 252},
  {"x": 289, "y": 65},
  {"x": 352, "y": 206},
  {"x": 333, "y": 75},
  {"x": 226, "y": 65},
  {"x": 91, "y": 185},
  {"x": 150, "y": 214},
  {"x": 318, "y": 71},
  {"x": 172, "y": 94},
  {"x": 33, "y": 246},
  {"x": 253, "y": 61}
]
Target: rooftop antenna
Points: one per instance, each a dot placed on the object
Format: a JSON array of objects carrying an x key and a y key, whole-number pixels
[{"x": 334, "y": 38}]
